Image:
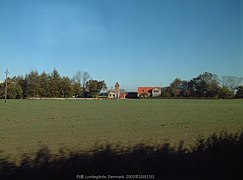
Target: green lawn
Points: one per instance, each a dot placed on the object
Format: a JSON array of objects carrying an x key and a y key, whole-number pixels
[{"x": 25, "y": 125}]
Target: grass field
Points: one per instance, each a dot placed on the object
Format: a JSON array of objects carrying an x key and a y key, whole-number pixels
[{"x": 25, "y": 125}]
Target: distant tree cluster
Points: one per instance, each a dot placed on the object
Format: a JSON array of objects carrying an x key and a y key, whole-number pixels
[
  {"x": 206, "y": 85},
  {"x": 51, "y": 86}
]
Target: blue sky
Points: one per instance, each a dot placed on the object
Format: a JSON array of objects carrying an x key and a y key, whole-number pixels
[{"x": 134, "y": 42}]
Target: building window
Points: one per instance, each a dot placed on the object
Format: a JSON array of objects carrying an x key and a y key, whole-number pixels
[{"x": 156, "y": 91}]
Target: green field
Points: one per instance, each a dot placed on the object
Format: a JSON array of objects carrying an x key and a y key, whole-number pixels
[{"x": 25, "y": 125}]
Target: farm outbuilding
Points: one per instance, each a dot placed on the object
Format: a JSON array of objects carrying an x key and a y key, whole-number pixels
[
  {"x": 117, "y": 93},
  {"x": 111, "y": 94},
  {"x": 149, "y": 91}
]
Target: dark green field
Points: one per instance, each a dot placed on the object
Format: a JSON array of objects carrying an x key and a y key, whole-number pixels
[{"x": 25, "y": 125}]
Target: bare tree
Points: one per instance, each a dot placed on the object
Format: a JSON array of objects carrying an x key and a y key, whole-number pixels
[
  {"x": 231, "y": 82},
  {"x": 84, "y": 79},
  {"x": 78, "y": 77},
  {"x": 81, "y": 79}
]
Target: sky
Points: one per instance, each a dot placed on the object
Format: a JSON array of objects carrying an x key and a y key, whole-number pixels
[{"x": 133, "y": 42}]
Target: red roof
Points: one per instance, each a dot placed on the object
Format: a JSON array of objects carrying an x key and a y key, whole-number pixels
[{"x": 147, "y": 90}]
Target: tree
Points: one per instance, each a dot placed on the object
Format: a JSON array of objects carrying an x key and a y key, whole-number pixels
[
  {"x": 18, "y": 85},
  {"x": 51, "y": 85},
  {"x": 66, "y": 87},
  {"x": 14, "y": 89},
  {"x": 185, "y": 89},
  {"x": 78, "y": 77},
  {"x": 239, "y": 93},
  {"x": 84, "y": 79},
  {"x": 76, "y": 82},
  {"x": 94, "y": 87},
  {"x": 205, "y": 85},
  {"x": 191, "y": 88},
  {"x": 45, "y": 89},
  {"x": 76, "y": 89},
  {"x": 165, "y": 92},
  {"x": 2, "y": 90},
  {"x": 55, "y": 84},
  {"x": 226, "y": 93},
  {"x": 175, "y": 87},
  {"x": 213, "y": 88},
  {"x": 32, "y": 85},
  {"x": 231, "y": 82},
  {"x": 80, "y": 80}
]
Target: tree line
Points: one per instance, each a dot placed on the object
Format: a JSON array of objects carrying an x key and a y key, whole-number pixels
[
  {"x": 51, "y": 85},
  {"x": 205, "y": 85}
]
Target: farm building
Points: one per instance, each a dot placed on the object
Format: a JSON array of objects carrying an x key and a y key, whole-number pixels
[
  {"x": 117, "y": 93},
  {"x": 131, "y": 95},
  {"x": 149, "y": 91},
  {"x": 111, "y": 94}
]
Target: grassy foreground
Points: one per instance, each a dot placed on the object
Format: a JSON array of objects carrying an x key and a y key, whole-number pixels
[
  {"x": 216, "y": 157},
  {"x": 26, "y": 125}
]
